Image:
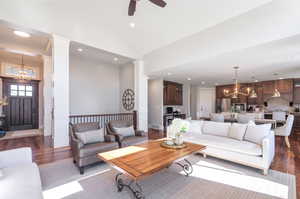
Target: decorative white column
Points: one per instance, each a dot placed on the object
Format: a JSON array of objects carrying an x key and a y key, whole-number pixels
[
  {"x": 60, "y": 59},
  {"x": 47, "y": 94},
  {"x": 141, "y": 95}
]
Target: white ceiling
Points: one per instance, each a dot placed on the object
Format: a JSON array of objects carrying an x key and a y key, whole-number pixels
[
  {"x": 201, "y": 39},
  {"x": 36, "y": 44},
  {"x": 96, "y": 55},
  {"x": 105, "y": 24},
  {"x": 282, "y": 57}
]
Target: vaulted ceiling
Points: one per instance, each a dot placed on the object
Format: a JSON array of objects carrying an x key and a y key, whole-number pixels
[
  {"x": 200, "y": 39},
  {"x": 105, "y": 24}
]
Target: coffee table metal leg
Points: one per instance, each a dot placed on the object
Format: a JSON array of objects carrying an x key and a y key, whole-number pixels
[
  {"x": 187, "y": 167},
  {"x": 133, "y": 186}
]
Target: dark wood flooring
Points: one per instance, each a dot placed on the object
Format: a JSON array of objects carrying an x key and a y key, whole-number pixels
[{"x": 286, "y": 160}]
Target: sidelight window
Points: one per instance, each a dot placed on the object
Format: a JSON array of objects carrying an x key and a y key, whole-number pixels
[{"x": 20, "y": 90}]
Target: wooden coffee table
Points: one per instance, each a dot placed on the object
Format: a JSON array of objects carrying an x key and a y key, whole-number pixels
[{"x": 142, "y": 160}]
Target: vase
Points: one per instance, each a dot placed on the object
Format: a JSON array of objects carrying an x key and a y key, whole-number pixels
[{"x": 178, "y": 139}]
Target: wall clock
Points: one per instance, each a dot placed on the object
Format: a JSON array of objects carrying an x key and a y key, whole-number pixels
[{"x": 128, "y": 99}]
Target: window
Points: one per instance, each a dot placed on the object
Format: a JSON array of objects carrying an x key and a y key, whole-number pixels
[{"x": 20, "y": 90}]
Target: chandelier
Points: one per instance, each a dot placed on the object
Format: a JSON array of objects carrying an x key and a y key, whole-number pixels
[
  {"x": 236, "y": 91},
  {"x": 22, "y": 73}
]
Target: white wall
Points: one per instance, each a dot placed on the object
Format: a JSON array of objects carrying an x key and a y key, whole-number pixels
[
  {"x": 126, "y": 76},
  {"x": 202, "y": 101},
  {"x": 94, "y": 87},
  {"x": 155, "y": 103}
]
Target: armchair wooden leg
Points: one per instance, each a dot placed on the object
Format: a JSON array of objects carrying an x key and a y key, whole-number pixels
[{"x": 286, "y": 138}]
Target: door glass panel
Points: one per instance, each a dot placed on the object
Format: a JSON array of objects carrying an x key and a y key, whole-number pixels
[
  {"x": 28, "y": 88},
  {"x": 13, "y": 87},
  {"x": 21, "y": 88},
  {"x": 21, "y": 93},
  {"x": 13, "y": 93},
  {"x": 28, "y": 93}
]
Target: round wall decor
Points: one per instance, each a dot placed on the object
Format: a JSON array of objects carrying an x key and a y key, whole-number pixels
[{"x": 128, "y": 99}]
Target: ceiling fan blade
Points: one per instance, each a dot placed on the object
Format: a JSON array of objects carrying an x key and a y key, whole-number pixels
[
  {"x": 159, "y": 3},
  {"x": 132, "y": 6}
]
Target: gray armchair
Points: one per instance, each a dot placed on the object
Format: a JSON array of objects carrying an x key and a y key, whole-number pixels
[
  {"x": 139, "y": 137},
  {"x": 86, "y": 154}
]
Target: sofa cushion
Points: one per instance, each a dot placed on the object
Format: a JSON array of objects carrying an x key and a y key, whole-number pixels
[
  {"x": 81, "y": 127},
  {"x": 256, "y": 133},
  {"x": 22, "y": 181},
  {"x": 92, "y": 136},
  {"x": 225, "y": 143},
  {"x": 93, "y": 149},
  {"x": 128, "y": 141},
  {"x": 125, "y": 131},
  {"x": 195, "y": 126},
  {"x": 237, "y": 131},
  {"x": 216, "y": 128}
]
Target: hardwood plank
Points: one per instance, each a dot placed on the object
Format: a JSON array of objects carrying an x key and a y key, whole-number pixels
[{"x": 144, "y": 159}]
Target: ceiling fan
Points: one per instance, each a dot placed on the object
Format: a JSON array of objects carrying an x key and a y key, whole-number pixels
[{"x": 132, "y": 5}]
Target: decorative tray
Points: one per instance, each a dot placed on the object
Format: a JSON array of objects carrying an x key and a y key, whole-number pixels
[{"x": 165, "y": 145}]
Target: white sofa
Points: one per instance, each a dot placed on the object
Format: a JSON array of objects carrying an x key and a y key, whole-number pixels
[
  {"x": 19, "y": 176},
  {"x": 220, "y": 144}
]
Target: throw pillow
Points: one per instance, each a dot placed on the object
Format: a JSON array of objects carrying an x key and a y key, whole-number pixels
[
  {"x": 195, "y": 126},
  {"x": 237, "y": 131},
  {"x": 92, "y": 136},
  {"x": 257, "y": 133},
  {"x": 216, "y": 128},
  {"x": 125, "y": 131}
]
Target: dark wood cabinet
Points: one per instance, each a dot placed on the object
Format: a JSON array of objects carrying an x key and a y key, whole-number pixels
[
  {"x": 264, "y": 91},
  {"x": 173, "y": 93},
  {"x": 297, "y": 91}
]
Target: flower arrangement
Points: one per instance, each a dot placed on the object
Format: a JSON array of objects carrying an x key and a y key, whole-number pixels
[{"x": 176, "y": 130}]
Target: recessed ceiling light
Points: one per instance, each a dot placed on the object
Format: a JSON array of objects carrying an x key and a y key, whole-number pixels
[
  {"x": 280, "y": 78},
  {"x": 116, "y": 59},
  {"x": 21, "y": 34},
  {"x": 132, "y": 25},
  {"x": 189, "y": 79},
  {"x": 203, "y": 82},
  {"x": 79, "y": 50},
  {"x": 256, "y": 80},
  {"x": 169, "y": 74}
]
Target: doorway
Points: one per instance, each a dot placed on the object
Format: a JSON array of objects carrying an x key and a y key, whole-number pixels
[{"x": 22, "y": 110}]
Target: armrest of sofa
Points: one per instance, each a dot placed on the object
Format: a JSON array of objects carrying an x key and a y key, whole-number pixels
[
  {"x": 268, "y": 147},
  {"x": 110, "y": 138},
  {"x": 15, "y": 156}
]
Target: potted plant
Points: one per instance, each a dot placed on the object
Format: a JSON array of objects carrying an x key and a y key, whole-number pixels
[{"x": 176, "y": 131}]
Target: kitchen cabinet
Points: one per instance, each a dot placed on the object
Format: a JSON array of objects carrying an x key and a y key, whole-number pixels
[
  {"x": 284, "y": 86},
  {"x": 269, "y": 88},
  {"x": 173, "y": 93},
  {"x": 297, "y": 91}
]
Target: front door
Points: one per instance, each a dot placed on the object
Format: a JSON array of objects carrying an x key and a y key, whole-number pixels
[{"x": 22, "y": 109}]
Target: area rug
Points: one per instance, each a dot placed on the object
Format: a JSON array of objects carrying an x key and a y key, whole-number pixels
[
  {"x": 212, "y": 179},
  {"x": 22, "y": 134}
]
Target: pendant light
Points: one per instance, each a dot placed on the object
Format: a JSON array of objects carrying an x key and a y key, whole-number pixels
[
  {"x": 276, "y": 92},
  {"x": 22, "y": 74}
]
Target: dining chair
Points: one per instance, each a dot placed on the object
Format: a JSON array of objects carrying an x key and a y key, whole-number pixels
[
  {"x": 279, "y": 116},
  {"x": 286, "y": 129}
]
